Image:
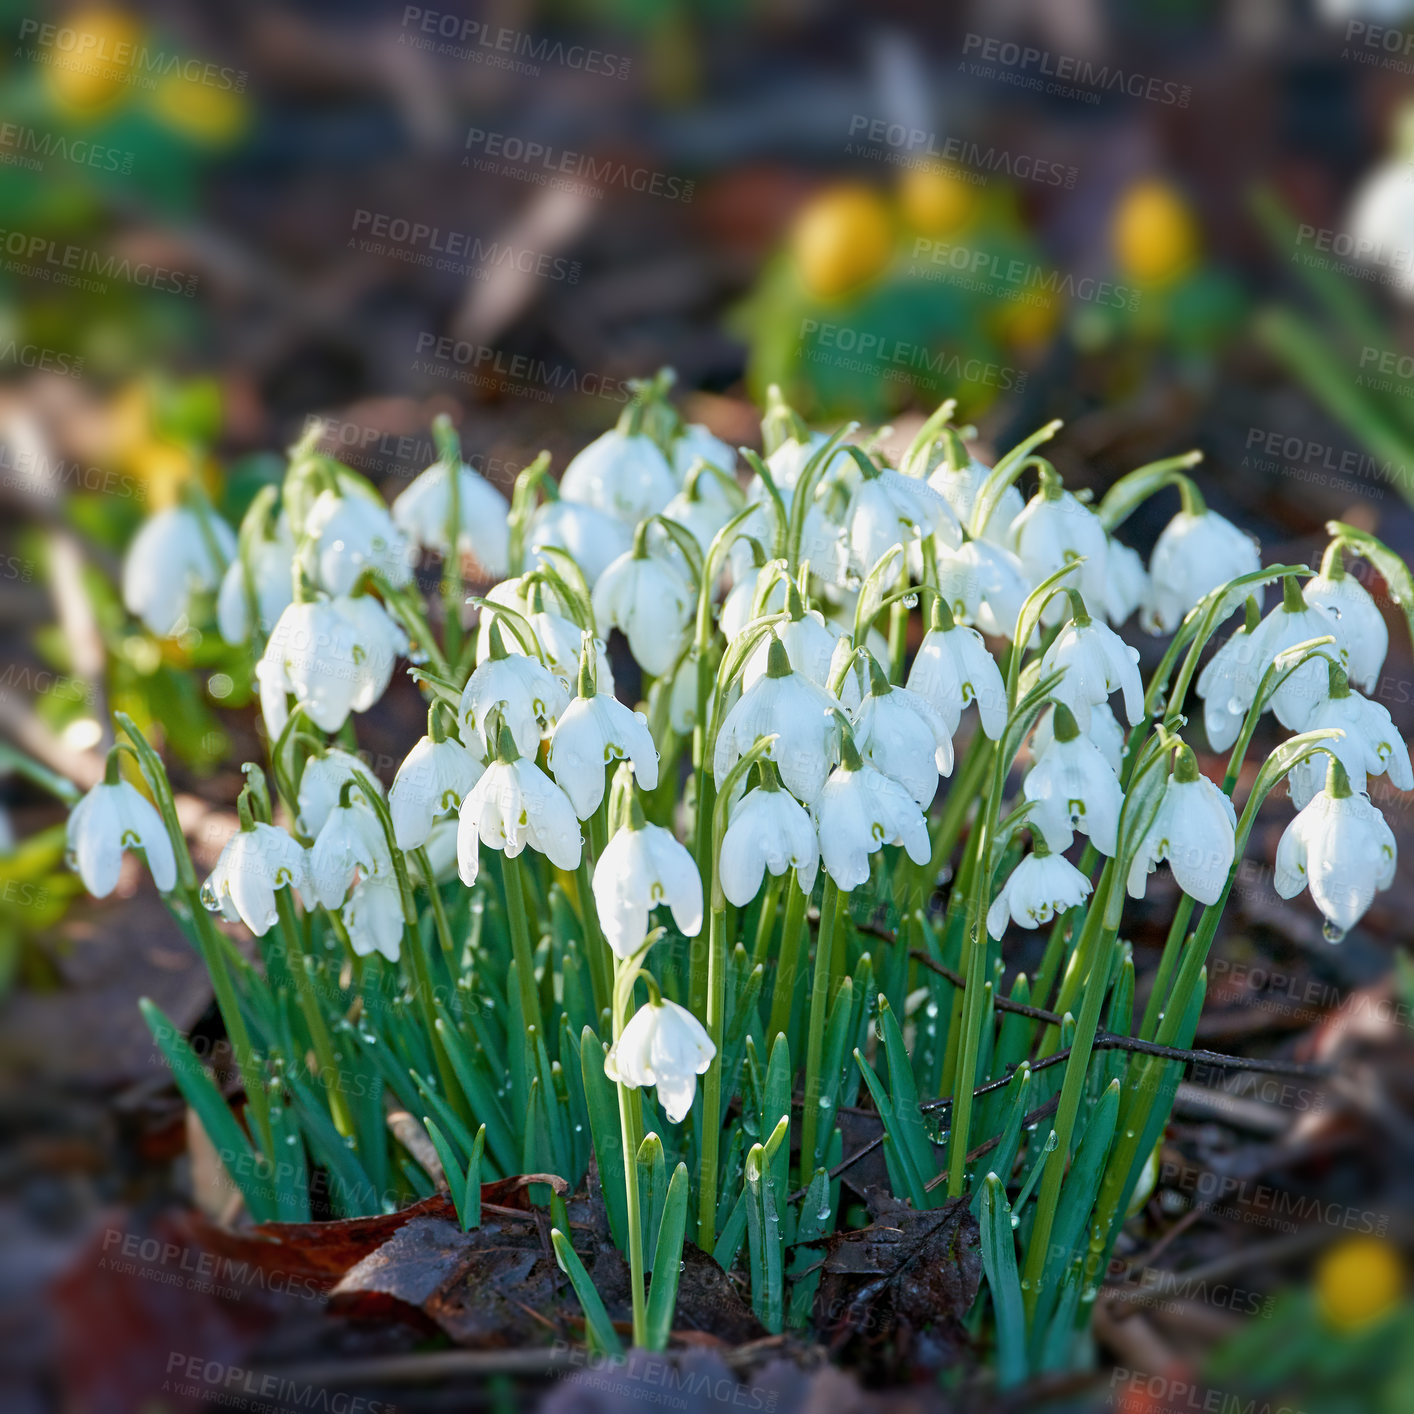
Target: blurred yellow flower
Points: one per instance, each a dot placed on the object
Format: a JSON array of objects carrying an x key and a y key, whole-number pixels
[
  {"x": 1153, "y": 233},
  {"x": 842, "y": 238},
  {"x": 163, "y": 469},
  {"x": 936, "y": 200},
  {"x": 97, "y": 70},
  {"x": 203, "y": 112},
  {"x": 1358, "y": 1280}
]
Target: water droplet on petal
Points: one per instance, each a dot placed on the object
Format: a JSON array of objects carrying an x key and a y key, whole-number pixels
[{"x": 1333, "y": 933}]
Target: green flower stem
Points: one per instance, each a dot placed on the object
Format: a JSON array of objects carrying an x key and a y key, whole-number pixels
[
  {"x": 815, "y": 1036},
  {"x": 213, "y": 944},
  {"x": 599, "y": 956},
  {"x": 627, "y": 1101},
  {"x": 439, "y": 913},
  {"x": 1168, "y": 960},
  {"x": 625, "y": 973},
  {"x": 788, "y": 960},
  {"x": 449, "y": 448},
  {"x": 520, "y": 943},
  {"x": 1098, "y": 942},
  {"x": 766, "y": 922},
  {"x": 712, "y": 1081},
  {"x": 962, "y": 791},
  {"x": 1143, "y": 1083},
  {"x": 213, "y": 953},
  {"x": 1063, "y": 928},
  {"x": 716, "y": 999},
  {"x": 313, "y": 1016}
]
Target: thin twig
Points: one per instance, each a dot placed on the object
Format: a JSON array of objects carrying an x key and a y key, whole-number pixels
[{"x": 1104, "y": 1040}]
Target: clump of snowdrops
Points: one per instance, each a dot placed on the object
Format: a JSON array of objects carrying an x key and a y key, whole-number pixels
[{"x": 871, "y": 723}]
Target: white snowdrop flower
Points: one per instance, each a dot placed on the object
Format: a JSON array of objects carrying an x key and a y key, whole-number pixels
[
  {"x": 960, "y": 485},
  {"x": 890, "y": 509},
  {"x": 736, "y": 612},
  {"x": 271, "y": 582},
  {"x": 1381, "y": 217},
  {"x": 322, "y": 783},
  {"x": 1194, "y": 829},
  {"x": 594, "y": 731},
  {"x": 1104, "y": 731},
  {"x": 858, "y": 811},
  {"x": 346, "y": 534},
  {"x": 1339, "y": 847},
  {"x": 1356, "y": 621},
  {"x": 1095, "y": 661},
  {"x": 113, "y": 817},
  {"x": 423, "y": 513},
  {"x": 334, "y": 656},
  {"x": 1126, "y": 582},
  {"x": 699, "y": 513},
  {"x": 432, "y": 781},
  {"x": 808, "y": 641},
  {"x": 350, "y": 845},
  {"x": 1195, "y": 553},
  {"x": 1227, "y": 684},
  {"x": 903, "y": 735},
  {"x": 624, "y": 475},
  {"x": 1040, "y": 887},
  {"x": 790, "y": 459},
  {"x": 696, "y": 442},
  {"x": 1073, "y": 787},
  {"x": 373, "y": 917},
  {"x": 177, "y": 554},
  {"x": 768, "y": 830},
  {"x": 1054, "y": 529},
  {"x": 252, "y": 865},
  {"x": 515, "y": 804},
  {"x": 682, "y": 701},
  {"x": 984, "y": 585},
  {"x": 800, "y": 715},
  {"x": 641, "y": 867},
  {"x": 591, "y": 538},
  {"x": 526, "y": 695},
  {"x": 663, "y": 1045},
  {"x": 953, "y": 668},
  {"x": 1371, "y": 744},
  {"x": 650, "y": 603},
  {"x": 1293, "y": 621}
]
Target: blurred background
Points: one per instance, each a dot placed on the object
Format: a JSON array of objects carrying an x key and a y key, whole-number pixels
[{"x": 1173, "y": 224}]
